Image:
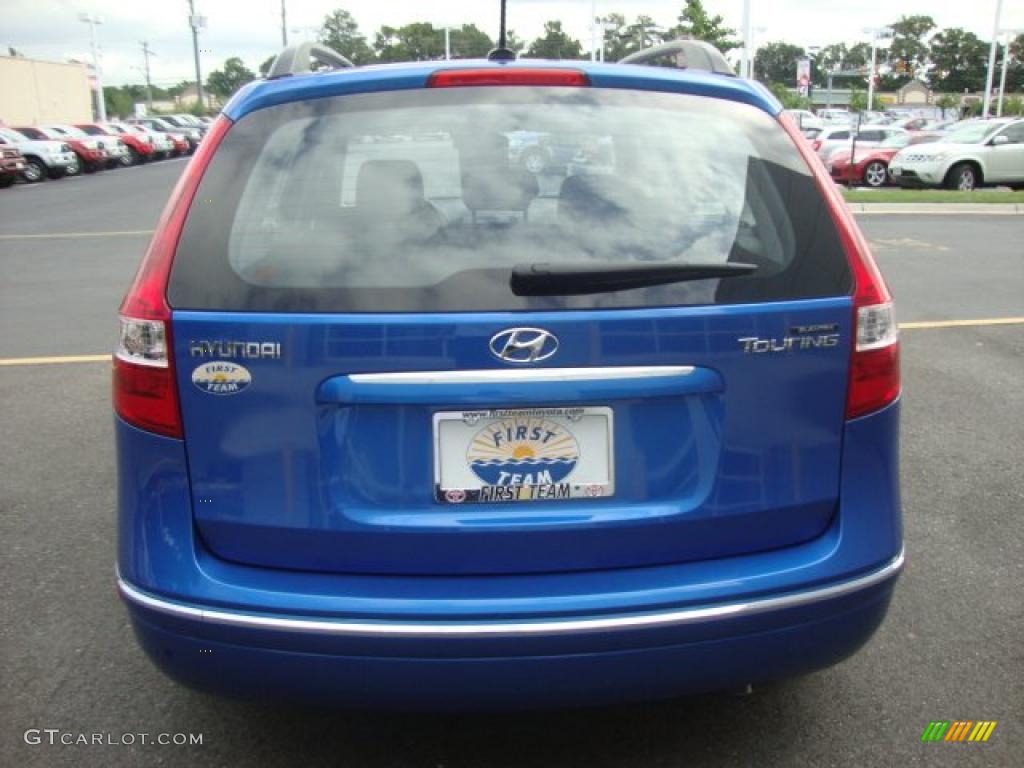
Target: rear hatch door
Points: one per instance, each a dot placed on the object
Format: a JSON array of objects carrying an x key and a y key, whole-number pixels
[{"x": 362, "y": 390}]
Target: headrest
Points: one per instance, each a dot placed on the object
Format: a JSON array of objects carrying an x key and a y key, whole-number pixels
[
  {"x": 499, "y": 190},
  {"x": 594, "y": 198},
  {"x": 394, "y": 186}
]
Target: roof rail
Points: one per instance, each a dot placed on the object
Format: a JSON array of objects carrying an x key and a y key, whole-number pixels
[
  {"x": 695, "y": 54},
  {"x": 295, "y": 60}
]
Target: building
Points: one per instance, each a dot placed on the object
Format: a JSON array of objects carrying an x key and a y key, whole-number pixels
[
  {"x": 915, "y": 94},
  {"x": 189, "y": 97},
  {"x": 35, "y": 92}
]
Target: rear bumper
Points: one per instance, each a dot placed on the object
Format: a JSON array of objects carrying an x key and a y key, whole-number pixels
[
  {"x": 498, "y": 666},
  {"x": 508, "y": 641}
]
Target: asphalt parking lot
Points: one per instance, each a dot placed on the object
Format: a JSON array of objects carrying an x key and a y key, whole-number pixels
[{"x": 950, "y": 650}]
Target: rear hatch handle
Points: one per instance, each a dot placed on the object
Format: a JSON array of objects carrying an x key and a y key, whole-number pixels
[{"x": 535, "y": 385}]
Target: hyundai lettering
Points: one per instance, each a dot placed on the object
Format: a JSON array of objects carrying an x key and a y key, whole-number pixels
[{"x": 403, "y": 422}]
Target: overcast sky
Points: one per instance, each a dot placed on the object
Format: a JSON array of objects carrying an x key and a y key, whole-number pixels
[{"x": 251, "y": 29}]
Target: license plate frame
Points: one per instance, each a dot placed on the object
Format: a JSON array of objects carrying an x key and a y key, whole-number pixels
[{"x": 565, "y": 454}]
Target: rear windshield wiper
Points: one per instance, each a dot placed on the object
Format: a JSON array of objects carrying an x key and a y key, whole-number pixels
[{"x": 575, "y": 279}]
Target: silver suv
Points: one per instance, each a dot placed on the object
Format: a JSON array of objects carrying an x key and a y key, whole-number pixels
[{"x": 977, "y": 153}]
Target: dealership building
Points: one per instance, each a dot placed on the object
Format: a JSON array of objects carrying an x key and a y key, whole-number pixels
[{"x": 35, "y": 92}]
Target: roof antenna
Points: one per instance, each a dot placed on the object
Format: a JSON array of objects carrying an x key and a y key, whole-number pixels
[{"x": 502, "y": 52}]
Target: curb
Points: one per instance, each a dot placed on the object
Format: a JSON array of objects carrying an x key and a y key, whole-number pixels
[{"x": 978, "y": 209}]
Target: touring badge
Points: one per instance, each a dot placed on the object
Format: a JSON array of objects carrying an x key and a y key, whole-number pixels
[{"x": 523, "y": 450}]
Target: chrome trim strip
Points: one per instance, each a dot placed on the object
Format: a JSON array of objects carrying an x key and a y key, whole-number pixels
[
  {"x": 522, "y": 375},
  {"x": 513, "y": 628}
]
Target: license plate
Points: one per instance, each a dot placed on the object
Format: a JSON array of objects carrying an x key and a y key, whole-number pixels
[
  {"x": 896, "y": 171},
  {"x": 523, "y": 454}
]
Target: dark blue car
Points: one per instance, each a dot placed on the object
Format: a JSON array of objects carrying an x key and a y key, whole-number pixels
[{"x": 400, "y": 426}]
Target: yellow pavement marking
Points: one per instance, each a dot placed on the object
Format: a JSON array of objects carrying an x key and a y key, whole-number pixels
[
  {"x": 13, "y": 361},
  {"x": 962, "y": 323},
  {"x": 50, "y": 235},
  {"x": 54, "y": 360}
]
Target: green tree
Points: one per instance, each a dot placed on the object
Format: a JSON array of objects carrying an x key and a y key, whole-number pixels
[
  {"x": 946, "y": 102},
  {"x": 470, "y": 42},
  {"x": 1015, "y": 70},
  {"x": 908, "y": 54},
  {"x": 694, "y": 21},
  {"x": 858, "y": 100},
  {"x": 118, "y": 102},
  {"x": 621, "y": 38},
  {"x": 555, "y": 44},
  {"x": 224, "y": 82},
  {"x": 418, "y": 41},
  {"x": 776, "y": 62},
  {"x": 788, "y": 98},
  {"x": 959, "y": 60},
  {"x": 180, "y": 88},
  {"x": 341, "y": 32},
  {"x": 616, "y": 41},
  {"x": 839, "y": 57},
  {"x": 1013, "y": 105},
  {"x": 514, "y": 42}
]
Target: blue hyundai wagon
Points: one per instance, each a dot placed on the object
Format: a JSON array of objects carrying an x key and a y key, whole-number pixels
[{"x": 404, "y": 423}]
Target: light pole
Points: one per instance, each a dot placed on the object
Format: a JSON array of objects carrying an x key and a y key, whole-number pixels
[
  {"x": 877, "y": 33},
  {"x": 146, "y": 53},
  {"x": 196, "y": 22},
  {"x": 593, "y": 30},
  {"x": 284, "y": 27},
  {"x": 992, "y": 60},
  {"x": 745, "y": 62},
  {"x": 101, "y": 102},
  {"x": 602, "y": 27},
  {"x": 751, "y": 63},
  {"x": 1006, "y": 56},
  {"x": 812, "y": 54}
]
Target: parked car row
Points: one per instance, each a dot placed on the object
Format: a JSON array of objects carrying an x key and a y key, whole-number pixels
[
  {"x": 40, "y": 152},
  {"x": 909, "y": 151}
]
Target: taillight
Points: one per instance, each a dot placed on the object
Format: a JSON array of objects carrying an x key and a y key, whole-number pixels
[
  {"x": 875, "y": 362},
  {"x": 874, "y": 379},
  {"x": 816, "y": 145},
  {"x": 507, "y": 76},
  {"x": 145, "y": 394}
]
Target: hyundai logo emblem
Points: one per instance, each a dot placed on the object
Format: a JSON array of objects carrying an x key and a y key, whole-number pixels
[{"x": 523, "y": 345}]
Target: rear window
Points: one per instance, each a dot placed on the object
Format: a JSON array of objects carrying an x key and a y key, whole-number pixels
[{"x": 424, "y": 200}]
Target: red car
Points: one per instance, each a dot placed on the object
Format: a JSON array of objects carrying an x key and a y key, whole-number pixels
[
  {"x": 90, "y": 153},
  {"x": 11, "y": 166},
  {"x": 139, "y": 150},
  {"x": 871, "y": 166}
]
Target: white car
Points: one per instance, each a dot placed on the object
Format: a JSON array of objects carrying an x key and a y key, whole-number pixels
[
  {"x": 805, "y": 119},
  {"x": 835, "y": 116},
  {"x": 838, "y": 138},
  {"x": 43, "y": 158},
  {"x": 977, "y": 153}
]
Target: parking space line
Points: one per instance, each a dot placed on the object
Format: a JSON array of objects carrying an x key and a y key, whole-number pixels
[
  {"x": 962, "y": 323},
  {"x": 12, "y": 361},
  {"x": 912, "y": 326},
  {"x": 48, "y": 235}
]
